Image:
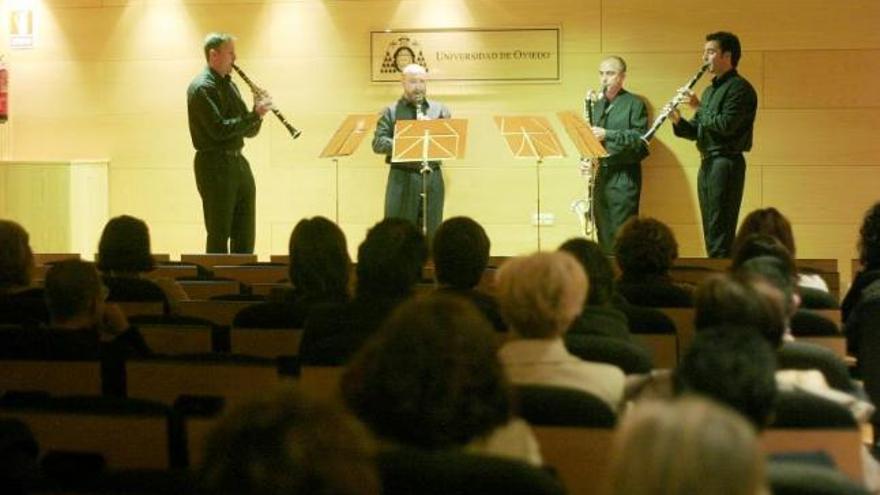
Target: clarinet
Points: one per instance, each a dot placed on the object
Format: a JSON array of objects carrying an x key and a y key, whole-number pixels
[
  {"x": 258, "y": 90},
  {"x": 674, "y": 103}
]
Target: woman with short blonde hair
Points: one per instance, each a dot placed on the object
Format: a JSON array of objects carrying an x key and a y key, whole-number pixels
[{"x": 540, "y": 296}]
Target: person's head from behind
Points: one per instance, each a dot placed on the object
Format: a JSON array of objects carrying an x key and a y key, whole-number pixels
[
  {"x": 287, "y": 445},
  {"x": 390, "y": 259},
  {"x": 319, "y": 260},
  {"x": 869, "y": 238},
  {"x": 74, "y": 293},
  {"x": 767, "y": 221},
  {"x": 734, "y": 365},
  {"x": 687, "y": 446},
  {"x": 774, "y": 279},
  {"x": 754, "y": 245},
  {"x": 460, "y": 250},
  {"x": 600, "y": 274},
  {"x": 125, "y": 246},
  {"x": 645, "y": 247},
  {"x": 16, "y": 257},
  {"x": 430, "y": 378},
  {"x": 540, "y": 295},
  {"x": 726, "y": 299}
]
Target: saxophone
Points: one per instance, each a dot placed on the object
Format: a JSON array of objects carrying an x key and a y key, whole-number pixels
[{"x": 583, "y": 207}]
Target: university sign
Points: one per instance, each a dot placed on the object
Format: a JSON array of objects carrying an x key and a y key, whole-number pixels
[{"x": 519, "y": 55}]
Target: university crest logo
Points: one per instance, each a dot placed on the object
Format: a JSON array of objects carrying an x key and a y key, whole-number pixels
[{"x": 400, "y": 53}]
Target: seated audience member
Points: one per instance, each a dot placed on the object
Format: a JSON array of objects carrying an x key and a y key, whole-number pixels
[
  {"x": 125, "y": 260},
  {"x": 646, "y": 249},
  {"x": 606, "y": 312},
  {"x": 82, "y": 326},
  {"x": 866, "y": 286},
  {"x": 754, "y": 245},
  {"x": 288, "y": 445},
  {"x": 770, "y": 221},
  {"x": 20, "y": 302},
  {"x": 540, "y": 296},
  {"x": 390, "y": 262},
  {"x": 733, "y": 365},
  {"x": 460, "y": 251},
  {"x": 319, "y": 271},
  {"x": 599, "y": 316},
  {"x": 691, "y": 445},
  {"x": 431, "y": 379},
  {"x": 762, "y": 297}
]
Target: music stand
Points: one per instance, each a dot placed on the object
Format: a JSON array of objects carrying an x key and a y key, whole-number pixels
[
  {"x": 590, "y": 149},
  {"x": 531, "y": 137},
  {"x": 348, "y": 136},
  {"x": 423, "y": 141}
]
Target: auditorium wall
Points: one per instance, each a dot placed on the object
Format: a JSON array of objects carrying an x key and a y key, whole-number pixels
[{"x": 107, "y": 79}]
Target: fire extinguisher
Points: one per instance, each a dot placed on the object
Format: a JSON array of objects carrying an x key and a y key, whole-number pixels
[{"x": 4, "y": 91}]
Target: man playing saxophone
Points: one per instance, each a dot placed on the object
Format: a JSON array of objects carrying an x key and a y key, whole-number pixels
[
  {"x": 218, "y": 123},
  {"x": 722, "y": 127},
  {"x": 619, "y": 118}
]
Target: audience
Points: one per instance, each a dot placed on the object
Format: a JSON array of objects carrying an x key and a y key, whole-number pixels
[
  {"x": 770, "y": 221},
  {"x": 319, "y": 269},
  {"x": 686, "y": 447},
  {"x": 540, "y": 296},
  {"x": 866, "y": 286},
  {"x": 460, "y": 251},
  {"x": 288, "y": 445},
  {"x": 390, "y": 262},
  {"x": 20, "y": 302},
  {"x": 646, "y": 249},
  {"x": 599, "y": 316},
  {"x": 431, "y": 379},
  {"x": 754, "y": 245},
  {"x": 762, "y": 298},
  {"x": 82, "y": 325},
  {"x": 733, "y": 365},
  {"x": 125, "y": 259}
]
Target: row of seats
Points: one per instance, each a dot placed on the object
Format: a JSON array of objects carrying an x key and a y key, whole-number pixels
[{"x": 574, "y": 437}]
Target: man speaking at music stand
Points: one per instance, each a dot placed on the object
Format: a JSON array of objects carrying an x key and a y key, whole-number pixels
[
  {"x": 403, "y": 191},
  {"x": 218, "y": 123}
]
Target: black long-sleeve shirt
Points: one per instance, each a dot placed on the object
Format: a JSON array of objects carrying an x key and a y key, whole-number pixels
[
  {"x": 724, "y": 122},
  {"x": 218, "y": 117},
  {"x": 625, "y": 120}
]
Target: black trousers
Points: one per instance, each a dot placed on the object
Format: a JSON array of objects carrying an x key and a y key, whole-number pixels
[
  {"x": 228, "y": 191},
  {"x": 720, "y": 190},
  {"x": 617, "y": 192},
  {"x": 403, "y": 197}
]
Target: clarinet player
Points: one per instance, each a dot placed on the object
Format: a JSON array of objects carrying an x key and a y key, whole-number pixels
[
  {"x": 722, "y": 127},
  {"x": 219, "y": 121},
  {"x": 619, "y": 118}
]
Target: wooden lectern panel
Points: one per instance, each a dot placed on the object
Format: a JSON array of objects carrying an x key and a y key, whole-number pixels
[
  {"x": 429, "y": 140},
  {"x": 581, "y": 135},
  {"x": 530, "y": 137}
]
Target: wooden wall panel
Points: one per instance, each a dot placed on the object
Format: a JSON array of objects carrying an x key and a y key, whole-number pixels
[
  {"x": 678, "y": 25},
  {"x": 810, "y": 195},
  {"x": 823, "y": 79},
  {"x": 817, "y": 137}
]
